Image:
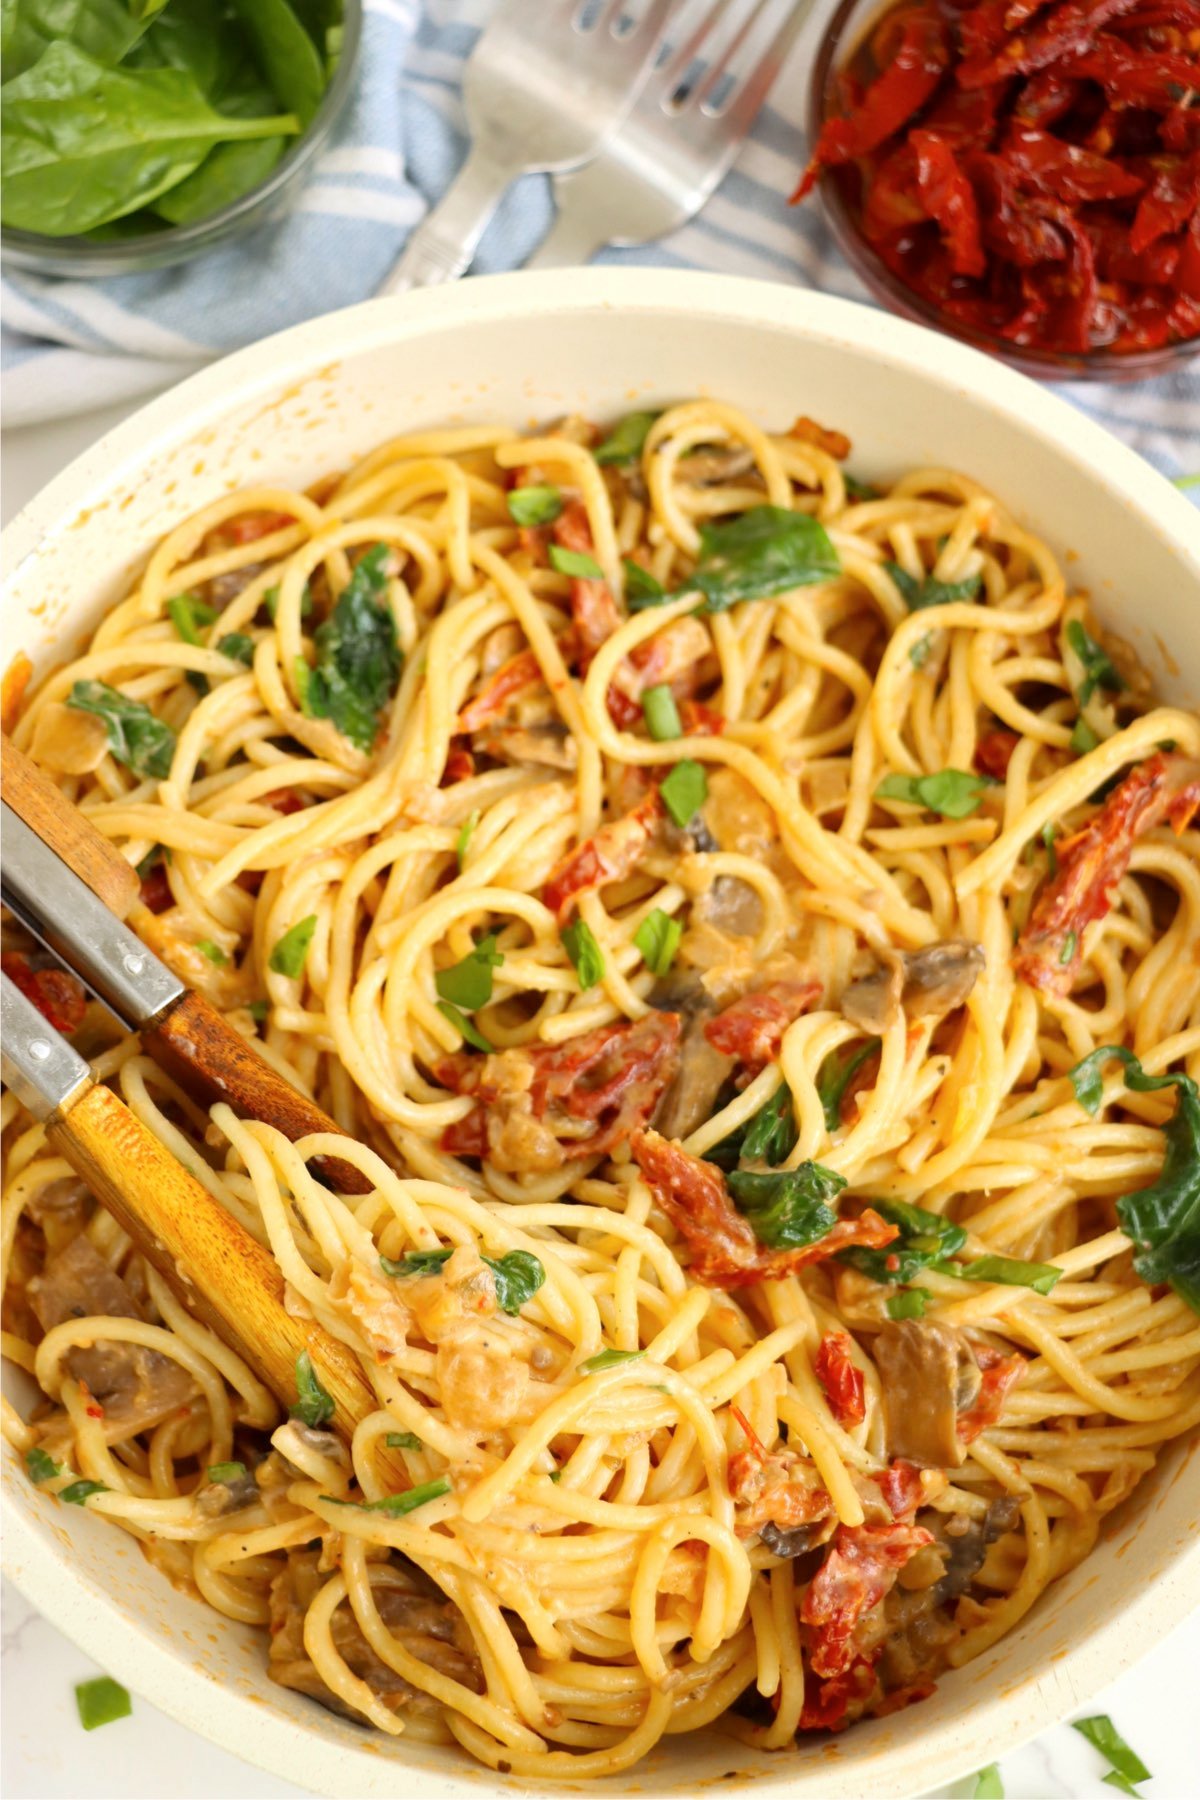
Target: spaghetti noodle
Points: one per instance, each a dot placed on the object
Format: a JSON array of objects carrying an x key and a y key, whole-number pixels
[{"x": 626, "y": 843}]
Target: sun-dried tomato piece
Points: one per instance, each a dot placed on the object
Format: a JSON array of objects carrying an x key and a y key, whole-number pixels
[
  {"x": 844, "y": 1383},
  {"x": 751, "y": 1029},
  {"x": 858, "y": 1572},
  {"x": 999, "y": 1372},
  {"x": 993, "y": 752},
  {"x": 58, "y": 996},
  {"x": 611, "y": 854},
  {"x": 492, "y": 700},
  {"x": 594, "y": 612},
  {"x": 826, "y": 1703}
]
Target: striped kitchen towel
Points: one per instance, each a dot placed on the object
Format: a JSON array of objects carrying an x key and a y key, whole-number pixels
[{"x": 70, "y": 345}]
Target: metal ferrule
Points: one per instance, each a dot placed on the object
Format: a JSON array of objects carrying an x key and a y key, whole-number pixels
[
  {"x": 61, "y": 910},
  {"x": 40, "y": 1067}
]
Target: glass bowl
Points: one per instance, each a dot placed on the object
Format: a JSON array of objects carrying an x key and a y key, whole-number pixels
[
  {"x": 843, "y": 31},
  {"x": 82, "y": 258}
]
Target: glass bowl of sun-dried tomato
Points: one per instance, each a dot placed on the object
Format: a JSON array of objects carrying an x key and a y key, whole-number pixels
[{"x": 1024, "y": 174}]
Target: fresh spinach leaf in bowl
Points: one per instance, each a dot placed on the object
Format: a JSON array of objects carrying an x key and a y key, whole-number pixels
[{"x": 123, "y": 117}]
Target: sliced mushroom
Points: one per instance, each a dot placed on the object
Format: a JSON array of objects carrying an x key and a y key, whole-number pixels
[
  {"x": 730, "y": 905},
  {"x": 549, "y": 746},
  {"x": 928, "y": 1374},
  {"x": 216, "y": 1498},
  {"x": 799, "y": 1540},
  {"x": 927, "y": 983},
  {"x": 694, "y": 1094},
  {"x": 709, "y": 468},
  {"x": 964, "y": 1544}
]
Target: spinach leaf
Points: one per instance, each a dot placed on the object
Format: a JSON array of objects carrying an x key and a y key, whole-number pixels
[
  {"x": 684, "y": 791},
  {"x": 954, "y": 793},
  {"x": 189, "y": 615},
  {"x": 859, "y": 490},
  {"x": 230, "y": 170},
  {"x": 237, "y": 646},
  {"x": 1103, "y": 1735},
  {"x": 1099, "y": 670},
  {"x": 41, "y": 1465},
  {"x": 416, "y": 1262},
  {"x": 84, "y": 144},
  {"x": 466, "y": 1026},
  {"x": 788, "y": 1209},
  {"x": 929, "y": 592},
  {"x": 358, "y": 656},
  {"x": 285, "y": 53},
  {"x": 314, "y": 1406},
  {"x": 608, "y": 1359},
  {"x": 534, "y": 505},
  {"x": 836, "y": 1073},
  {"x": 518, "y": 1275},
  {"x": 658, "y": 938},
  {"x": 1162, "y": 1220},
  {"x": 80, "y": 1492},
  {"x": 1007, "y": 1270},
  {"x": 641, "y": 587},
  {"x": 105, "y": 29},
  {"x": 135, "y": 737},
  {"x": 468, "y": 984},
  {"x": 627, "y": 439},
  {"x": 291, "y": 952},
  {"x": 767, "y": 550},
  {"x": 587, "y": 958},
  {"x": 576, "y": 563},
  {"x": 925, "y": 1238},
  {"x": 770, "y": 1136},
  {"x": 397, "y": 1506}
]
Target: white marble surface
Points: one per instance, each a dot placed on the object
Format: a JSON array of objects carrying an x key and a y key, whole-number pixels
[{"x": 44, "y": 1751}]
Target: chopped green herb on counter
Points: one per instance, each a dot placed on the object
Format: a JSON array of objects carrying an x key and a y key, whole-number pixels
[{"x": 102, "y": 1702}]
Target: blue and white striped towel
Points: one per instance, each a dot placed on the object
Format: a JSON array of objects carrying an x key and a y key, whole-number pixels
[{"x": 68, "y": 346}]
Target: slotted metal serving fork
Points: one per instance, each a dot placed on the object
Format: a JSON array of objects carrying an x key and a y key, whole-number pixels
[
  {"x": 681, "y": 136},
  {"x": 547, "y": 82}
]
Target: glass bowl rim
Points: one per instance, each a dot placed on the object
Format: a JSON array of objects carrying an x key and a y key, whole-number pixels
[
  {"x": 86, "y": 257},
  {"x": 1060, "y": 365}
]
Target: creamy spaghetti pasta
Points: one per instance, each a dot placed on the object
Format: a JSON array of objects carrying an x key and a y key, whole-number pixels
[{"x": 707, "y": 890}]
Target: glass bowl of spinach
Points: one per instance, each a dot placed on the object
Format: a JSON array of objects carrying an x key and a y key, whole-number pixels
[{"x": 141, "y": 132}]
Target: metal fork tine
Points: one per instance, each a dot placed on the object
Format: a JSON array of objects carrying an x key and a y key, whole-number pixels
[
  {"x": 720, "y": 65},
  {"x": 680, "y": 59},
  {"x": 757, "y": 84}
]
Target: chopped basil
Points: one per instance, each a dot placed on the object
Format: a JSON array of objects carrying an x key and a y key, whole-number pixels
[
  {"x": 226, "y": 1471},
  {"x": 787, "y": 1209},
  {"x": 1083, "y": 738},
  {"x": 1103, "y": 1735},
  {"x": 580, "y": 944},
  {"x": 1099, "y": 670},
  {"x": 214, "y": 952},
  {"x": 908, "y": 1303},
  {"x": 534, "y": 505},
  {"x": 769, "y": 1136},
  {"x": 135, "y": 737},
  {"x": 575, "y": 562},
  {"x": 684, "y": 791},
  {"x": 237, "y": 646},
  {"x": 627, "y": 439},
  {"x": 81, "y": 1491},
  {"x": 661, "y": 713},
  {"x": 290, "y": 953},
  {"x": 658, "y": 938},
  {"x": 416, "y": 1262},
  {"x": 836, "y": 1073},
  {"x": 101, "y": 1701},
  {"x": 403, "y": 1440},
  {"x": 954, "y": 793},
  {"x": 158, "y": 853},
  {"x": 258, "y": 1010},
  {"x": 988, "y": 1785},
  {"x": 468, "y": 984},
  {"x": 641, "y": 587},
  {"x": 918, "y": 655},
  {"x": 313, "y": 1405},
  {"x": 466, "y": 832},
  {"x": 1069, "y": 945},
  {"x": 467, "y": 1027},
  {"x": 397, "y": 1506},
  {"x": 1007, "y": 1271},
  {"x": 930, "y": 592},
  {"x": 358, "y": 656},
  {"x": 555, "y": 1476},
  {"x": 1162, "y": 1220},
  {"x": 925, "y": 1238},
  {"x": 608, "y": 1359},
  {"x": 767, "y": 550},
  {"x": 41, "y": 1465},
  {"x": 859, "y": 490},
  {"x": 187, "y": 614}
]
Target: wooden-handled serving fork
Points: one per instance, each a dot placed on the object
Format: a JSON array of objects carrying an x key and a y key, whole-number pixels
[{"x": 63, "y": 880}]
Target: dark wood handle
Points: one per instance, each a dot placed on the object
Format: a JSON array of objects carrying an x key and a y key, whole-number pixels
[
  {"x": 222, "y": 1275},
  {"x": 46, "y": 810},
  {"x": 211, "y": 1060}
]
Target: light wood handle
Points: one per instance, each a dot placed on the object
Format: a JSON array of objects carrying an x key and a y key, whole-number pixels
[
  {"x": 46, "y": 810},
  {"x": 222, "y": 1275}
]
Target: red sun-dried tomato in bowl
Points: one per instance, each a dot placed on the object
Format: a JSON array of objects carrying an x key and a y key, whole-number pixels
[{"x": 1024, "y": 174}]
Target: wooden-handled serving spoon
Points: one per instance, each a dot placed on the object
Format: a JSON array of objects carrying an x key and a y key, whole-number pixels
[
  {"x": 222, "y": 1275},
  {"x": 57, "y": 866}
]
